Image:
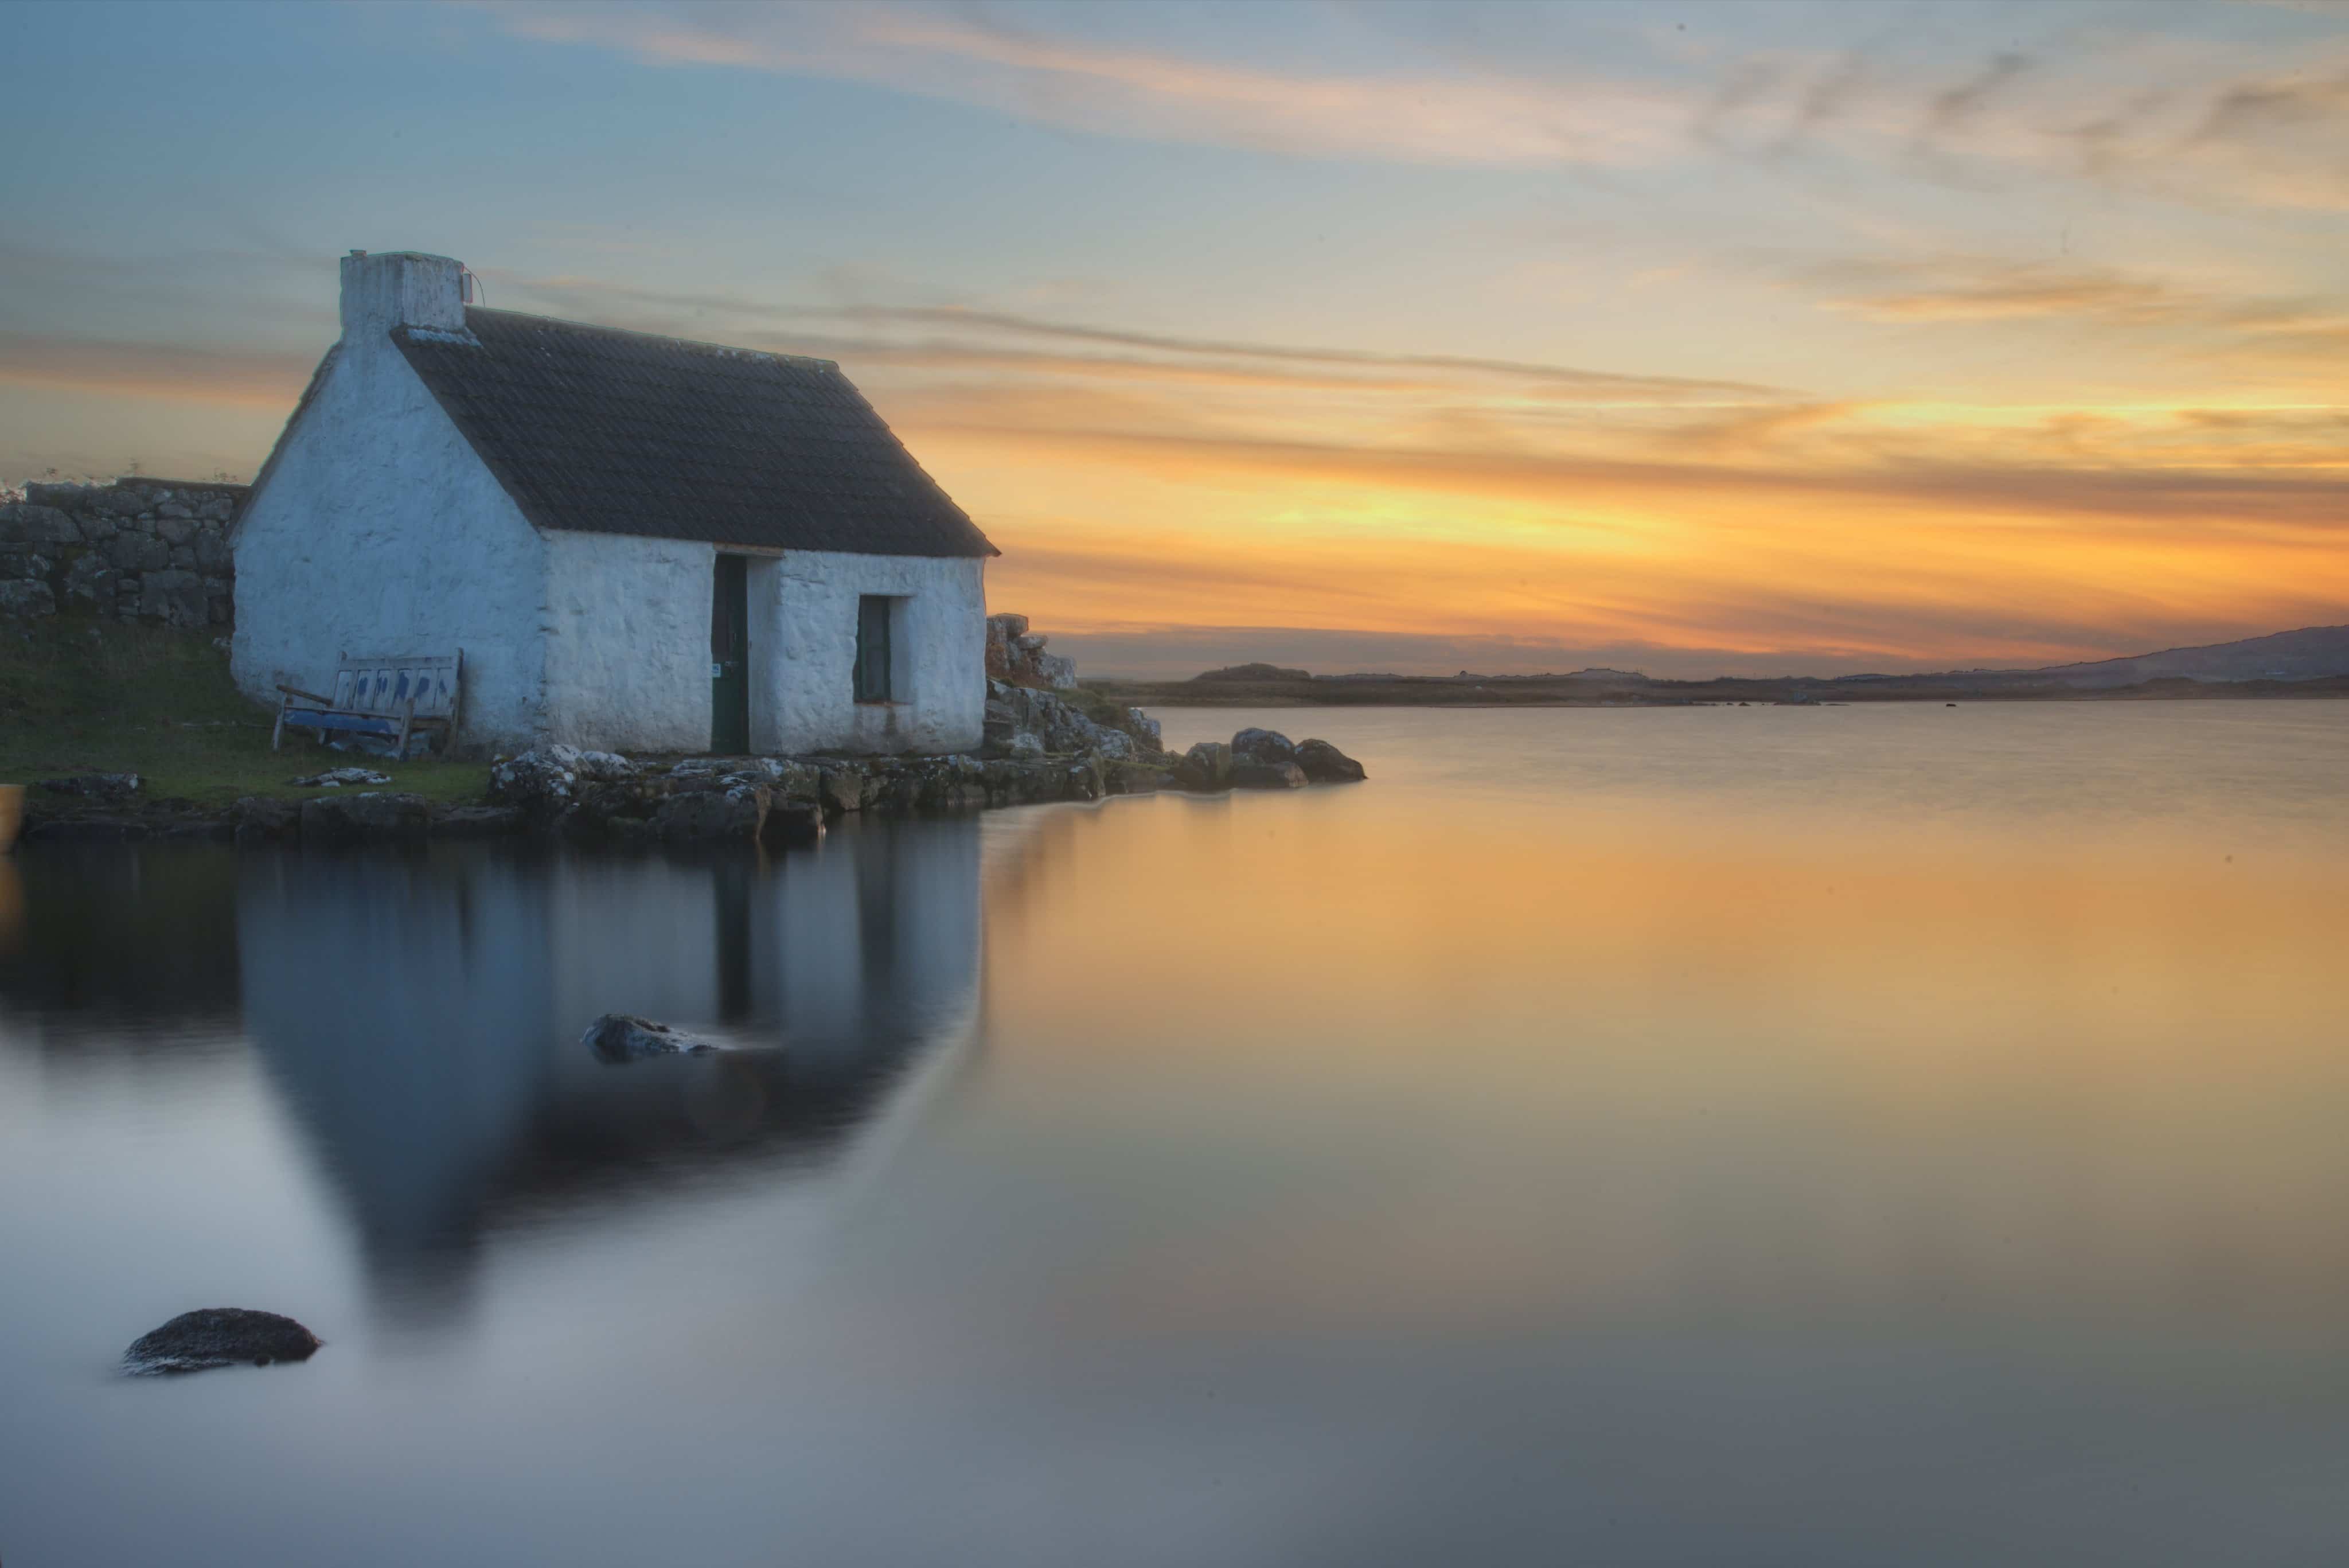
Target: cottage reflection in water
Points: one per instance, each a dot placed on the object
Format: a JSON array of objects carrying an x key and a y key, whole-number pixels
[{"x": 422, "y": 1015}]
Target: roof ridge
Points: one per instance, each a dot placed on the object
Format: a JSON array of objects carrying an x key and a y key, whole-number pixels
[{"x": 700, "y": 343}]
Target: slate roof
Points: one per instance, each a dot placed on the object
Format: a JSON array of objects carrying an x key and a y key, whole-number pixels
[{"x": 624, "y": 432}]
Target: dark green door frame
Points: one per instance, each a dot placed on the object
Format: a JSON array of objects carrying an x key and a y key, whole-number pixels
[{"x": 730, "y": 658}]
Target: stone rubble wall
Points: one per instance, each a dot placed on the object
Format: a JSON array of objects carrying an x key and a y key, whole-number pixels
[
  {"x": 1016, "y": 656},
  {"x": 152, "y": 550}
]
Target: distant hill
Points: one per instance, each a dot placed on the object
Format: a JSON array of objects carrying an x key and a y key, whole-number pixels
[
  {"x": 2313, "y": 661},
  {"x": 2311, "y": 653}
]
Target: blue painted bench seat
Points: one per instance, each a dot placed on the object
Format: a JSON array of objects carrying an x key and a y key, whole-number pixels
[{"x": 399, "y": 698}]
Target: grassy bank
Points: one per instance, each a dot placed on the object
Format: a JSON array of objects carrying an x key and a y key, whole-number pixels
[{"x": 81, "y": 696}]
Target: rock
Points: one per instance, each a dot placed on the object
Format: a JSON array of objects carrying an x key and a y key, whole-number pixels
[
  {"x": 842, "y": 789},
  {"x": 1023, "y": 747},
  {"x": 85, "y": 830},
  {"x": 793, "y": 822},
  {"x": 92, "y": 579},
  {"x": 1263, "y": 746},
  {"x": 601, "y": 767},
  {"x": 542, "y": 781},
  {"x": 95, "y": 786},
  {"x": 738, "y": 813},
  {"x": 1135, "y": 778},
  {"x": 1085, "y": 780},
  {"x": 1056, "y": 671},
  {"x": 174, "y": 529},
  {"x": 218, "y": 1337},
  {"x": 619, "y": 1037},
  {"x": 1208, "y": 765},
  {"x": 1325, "y": 764},
  {"x": 259, "y": 819},
  {"x": 46, "y": 526},
  {"x": 212, "y": 551},
  {"x": 1267, "y": 775},
  {"x": 790, "y": 780},
  {"x": 478, "y": 822},
  {"x": 1143, "y": 727},
  {"x": 24, "y": 600},
  {"x": 175, "y": 597},
  {"x": 336, "y": 778},
  {"x": 138, "y": 553},
  {"x": 339, "y": 819},
  {"x": 1013, "y": 626}
]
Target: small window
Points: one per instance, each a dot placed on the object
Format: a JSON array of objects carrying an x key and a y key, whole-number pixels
[{"x": 875, "y": 678}]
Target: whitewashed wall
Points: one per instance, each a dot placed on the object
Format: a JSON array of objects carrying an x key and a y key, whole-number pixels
[
  {"x": 379, "y": 531},
  {"x": 804, "y": 694},
  {"x": 628, "y": 641}
]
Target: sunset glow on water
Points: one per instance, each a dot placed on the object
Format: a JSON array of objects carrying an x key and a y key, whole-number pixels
[{"x": 1846, "y": 1136}]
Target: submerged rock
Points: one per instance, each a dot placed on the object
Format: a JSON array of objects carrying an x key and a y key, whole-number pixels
[
  {"x": 477, "y": 822},
  {"x": 218, "y": 1337},
  {"x": 738, "y": 812},
  {"x": 1267, "y": 775},
  {"x": 619, "y": 1037},
  {"x": 1325, "y": 764},
  {"x": 374, "y": 814}
]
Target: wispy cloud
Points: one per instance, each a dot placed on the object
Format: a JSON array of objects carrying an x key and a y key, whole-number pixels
[
  {"x": 1986, "y": 290},
  {"x": 2145, "y": 111},
  {"x": 175, "y": 370},
  {"x": 988, "y": 338},
  {"x": 1447, "y": 117}
]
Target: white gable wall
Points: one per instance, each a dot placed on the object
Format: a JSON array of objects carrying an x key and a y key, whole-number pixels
[
  {"x": 377, "y": 532},
  {"x": 628, "y": 641},
  {"x": 803, "y": 680}
]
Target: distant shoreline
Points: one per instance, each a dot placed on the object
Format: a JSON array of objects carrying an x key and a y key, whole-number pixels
[{"x": 1539, "y": 691}]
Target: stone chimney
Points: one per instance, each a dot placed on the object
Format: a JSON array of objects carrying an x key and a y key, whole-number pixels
[{"x": 400, "y": 288}]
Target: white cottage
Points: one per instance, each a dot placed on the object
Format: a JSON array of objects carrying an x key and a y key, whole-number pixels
[{"x": 637, "y": 543}]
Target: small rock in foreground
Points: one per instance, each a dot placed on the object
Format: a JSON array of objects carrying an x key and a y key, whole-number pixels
[
  {"x": 619, "y": 1037},
  {"x": 336, "y": 778},
  {"x": 218, "y": 1337},
  {"x": 95, "y": 786}
]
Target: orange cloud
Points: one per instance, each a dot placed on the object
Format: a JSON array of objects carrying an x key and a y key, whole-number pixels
[{"x": 154, "y": 369}]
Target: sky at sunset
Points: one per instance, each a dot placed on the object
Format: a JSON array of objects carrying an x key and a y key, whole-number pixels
[{"x": 1748, "y": 337}]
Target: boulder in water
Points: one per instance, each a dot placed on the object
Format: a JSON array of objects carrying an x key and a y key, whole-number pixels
[
  {"x": 1325, "y": 764},
  {"x": 1267, "y": 775},
  {"x": 618, "y": 1037},
  {"x": 1263, "y": 746},
  {"x": 1208, "y": 765},
  {"x": 218, "y": 1337}
]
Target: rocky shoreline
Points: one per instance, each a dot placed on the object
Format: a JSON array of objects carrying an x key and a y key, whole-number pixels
[{"x": 1041, "y": 747}]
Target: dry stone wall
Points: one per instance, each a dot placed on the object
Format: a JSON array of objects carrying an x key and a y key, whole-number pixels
[{"x": 151, "y": 550}]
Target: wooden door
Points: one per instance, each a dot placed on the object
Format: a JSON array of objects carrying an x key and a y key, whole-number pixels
[{"x": 730, "y": 658}]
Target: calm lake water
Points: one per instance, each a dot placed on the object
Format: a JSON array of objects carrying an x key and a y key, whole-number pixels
[{"x": 1849, "y": 1136}]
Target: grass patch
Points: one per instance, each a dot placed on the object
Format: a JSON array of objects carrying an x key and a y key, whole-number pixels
[{"x": 84, "y": 696}]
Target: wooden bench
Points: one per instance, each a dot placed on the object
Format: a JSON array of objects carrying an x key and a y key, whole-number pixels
[{"x": 388, "y": 699}]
